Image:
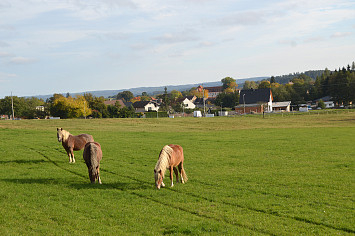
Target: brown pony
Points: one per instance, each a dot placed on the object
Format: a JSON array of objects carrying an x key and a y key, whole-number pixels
[
  {"x": 72, "y": 143},
  {"x": 170, "y": 157},
  {"x": 92, "y": 155}
]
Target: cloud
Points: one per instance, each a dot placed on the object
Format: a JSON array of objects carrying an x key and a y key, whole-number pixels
[
  {"x": 5, "y": 76},
  {"x": 340, "y": 34},
  {"x": 290, "y": 42},
  {"x": 178, "y": 37},
  {"x": 22, "y": 60},
  {"x": 314, "y": 39},
  {"x": 206, "y": 44},
  {"x": 5, "y": 54},
  {"x": 245, "y": 18},
  {"x": 4, "y": 44}
]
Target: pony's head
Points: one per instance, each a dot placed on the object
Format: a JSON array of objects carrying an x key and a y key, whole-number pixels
[
  {"x": 158, "y": 178},
  {"x": 62, "y": 134},
  {"x": 162, "y": 164}
]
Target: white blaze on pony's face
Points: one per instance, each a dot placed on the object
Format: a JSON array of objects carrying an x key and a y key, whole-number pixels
[{"x": 158, "y": 179}]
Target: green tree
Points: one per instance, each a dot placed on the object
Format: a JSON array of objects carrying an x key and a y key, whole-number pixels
[
  {"x": 264, "y": 84},
  {"x": 229, "y": 82},
  {"x": 321, "y": 104},
  {"x": 227, "y": 99},
  {"x": 250, "y": 85},
  {"x": 174, "y": 94},
  {"x": 125, "y": 95},
  {"x": 69, "y": 107}
]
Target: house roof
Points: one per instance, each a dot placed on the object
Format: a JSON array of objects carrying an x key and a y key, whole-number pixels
[
  {"x": 325, "y": 99},
  {"x": 252, "y": 96},
  {"x": 113, "y": 102},
  {"x": 140, "y": 104},
  {"x": 190, "y": 97},
  {"x": 214, "y": 89}
]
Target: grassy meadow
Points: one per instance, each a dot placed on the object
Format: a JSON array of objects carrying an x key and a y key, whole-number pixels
[{"x": 248, "y": 175}]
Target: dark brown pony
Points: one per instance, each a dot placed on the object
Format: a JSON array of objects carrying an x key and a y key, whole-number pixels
[
  {"x": 72, "y": 143},
  {"x": 170, "y": 157},
  {"x": 92, "y": 155}
]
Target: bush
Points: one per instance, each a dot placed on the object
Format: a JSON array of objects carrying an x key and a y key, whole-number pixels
[
  {"x": 153, "y": 114},
  {"x": 321, "y": 104}
]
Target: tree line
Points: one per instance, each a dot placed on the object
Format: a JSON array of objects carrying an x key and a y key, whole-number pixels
[{"x": 339, "y": 84}]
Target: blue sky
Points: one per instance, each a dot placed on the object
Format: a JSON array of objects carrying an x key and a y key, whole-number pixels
[{"x": 59, "y": 46}]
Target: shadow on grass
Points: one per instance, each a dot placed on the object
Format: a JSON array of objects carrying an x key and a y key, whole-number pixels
[
  {"x": 118, "y": 185},
  {"x": 32, "y": 181},
  {"x": 22, "y": 162}
]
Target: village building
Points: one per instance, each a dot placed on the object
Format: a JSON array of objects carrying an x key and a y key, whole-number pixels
[
  {"x": 212, "y": 91},
  {"x": 187, "y": 102},
  {"x": 281, "y": 106},
  {"x": 144, "y": 106},
  {"x": 255, "y": 101}
]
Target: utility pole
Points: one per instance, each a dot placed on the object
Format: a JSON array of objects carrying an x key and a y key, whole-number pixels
[
  {"x": 244, "y": 102},
  {"x": 12, "y": 107},
  {"x": 85, "y": 109},
  {"x": 204, "y": 104},
  {"x": 221, "y": 108}
]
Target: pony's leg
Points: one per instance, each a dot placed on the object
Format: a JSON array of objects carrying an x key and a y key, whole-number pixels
[
  {"x": 69, "y": 155},
  {"x": 180, "y": 170},
  {"x": 176, "y": 174},
  {"x": 98, "y": 175},
  {"x": 171, "y": 176},
  {"x": 72, "y": 154}
]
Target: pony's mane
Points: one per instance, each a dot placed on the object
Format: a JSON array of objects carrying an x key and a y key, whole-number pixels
[
  {"x": 65, "y": 134},
  {"x": 164, "y": 159}
]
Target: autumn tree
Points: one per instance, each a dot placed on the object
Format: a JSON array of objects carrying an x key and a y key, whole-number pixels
[
  {"x": 229, "y": 83},
  {"x": 264, "y": 84}
]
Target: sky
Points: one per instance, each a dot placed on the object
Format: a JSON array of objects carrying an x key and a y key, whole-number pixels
[{"x": 60, "y": 46}]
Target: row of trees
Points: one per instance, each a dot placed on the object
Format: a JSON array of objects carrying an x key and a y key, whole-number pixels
[{"x": 340, "y": 84}]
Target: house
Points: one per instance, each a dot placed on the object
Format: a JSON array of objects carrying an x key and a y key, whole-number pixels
[
  {"x": 212, "y": 91},
  {"x": 204, "y": 103},
  {"x": 255, "y": 100},
  {"x": 304, "y": 107},
  {"x": 281, "y": 106},
  {"x": 327, "y": 101},
  {"x": 144, "y": 106},
  {"x": 187, "y": 103}
]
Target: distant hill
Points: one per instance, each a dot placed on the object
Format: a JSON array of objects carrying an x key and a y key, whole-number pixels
[
  {"x": 284, "y": 79},
  {"x": 154, "y": 90}
]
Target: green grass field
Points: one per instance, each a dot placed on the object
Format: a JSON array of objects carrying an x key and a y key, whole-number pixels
[{"x": 281, "y": 175}]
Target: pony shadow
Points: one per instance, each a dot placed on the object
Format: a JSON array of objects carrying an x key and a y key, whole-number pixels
[
  {"x": 32, "y": 181},
  {"x": 23, "y": 162},
  {"x": 118, "y": 185}
]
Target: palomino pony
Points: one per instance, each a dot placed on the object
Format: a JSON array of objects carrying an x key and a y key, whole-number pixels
[
  {"x": 92, "y": 155},
  {"x": 72, "y": 143},
  {"x": 170, "y": 157}
]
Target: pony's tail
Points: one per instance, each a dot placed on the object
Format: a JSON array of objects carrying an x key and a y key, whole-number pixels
[
  {"x": 93, "y": 169},
  {"x": 184, "y": 175}
]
